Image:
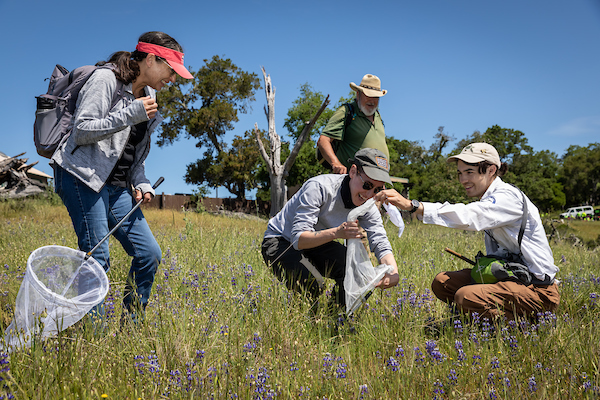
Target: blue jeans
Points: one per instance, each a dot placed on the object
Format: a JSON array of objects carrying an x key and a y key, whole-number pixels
[{"x": 95, "y": 214}]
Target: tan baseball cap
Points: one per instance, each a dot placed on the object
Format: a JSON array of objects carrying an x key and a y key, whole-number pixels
[{"x": 477, "y": 152}]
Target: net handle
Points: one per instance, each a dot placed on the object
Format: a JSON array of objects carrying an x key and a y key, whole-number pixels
[{"x": 138, "y": 204}]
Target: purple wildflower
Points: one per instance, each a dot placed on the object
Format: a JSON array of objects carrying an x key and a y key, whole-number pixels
[
  {"x": 452, "y": 377},
  {"x": 393, "y": 364},
  {"x": 532, "y": 384}
]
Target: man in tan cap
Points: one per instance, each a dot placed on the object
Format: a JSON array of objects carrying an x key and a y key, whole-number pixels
[
  {"x": 513, "y": 230},
  {"x": 354, "y": 126}
]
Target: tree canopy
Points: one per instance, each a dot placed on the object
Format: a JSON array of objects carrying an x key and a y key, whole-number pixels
[{"x": 206, "y": 107}]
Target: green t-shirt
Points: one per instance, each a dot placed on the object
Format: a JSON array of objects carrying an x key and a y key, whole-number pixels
[{"x": 360, "y": 134}]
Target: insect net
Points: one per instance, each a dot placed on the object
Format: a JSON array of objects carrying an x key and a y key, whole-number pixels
[
  {"x": 60, "y": 286},
  {"x": 361, "y": 277}
]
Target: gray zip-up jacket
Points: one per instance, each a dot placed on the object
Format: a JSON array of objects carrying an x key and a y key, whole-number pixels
[
  {"x": 318, "y": 205},
  {"x": 99, "y": 133}
]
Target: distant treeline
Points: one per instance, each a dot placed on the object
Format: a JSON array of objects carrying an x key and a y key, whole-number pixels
[{"x": 552, "y": 182}]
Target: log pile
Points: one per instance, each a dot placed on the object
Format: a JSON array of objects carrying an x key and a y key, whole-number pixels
[{"x": 14, "y": 182}]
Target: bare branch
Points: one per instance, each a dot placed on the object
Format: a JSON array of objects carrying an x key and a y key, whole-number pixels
[
  {"x": 261, "y": 148},
  {"x": 303, "y": 136}
]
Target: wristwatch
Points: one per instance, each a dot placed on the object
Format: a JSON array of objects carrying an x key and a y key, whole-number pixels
[{"x": 416, "y": 204}]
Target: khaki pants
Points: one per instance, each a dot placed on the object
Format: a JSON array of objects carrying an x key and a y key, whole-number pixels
[{"x": 496, "y": 299}]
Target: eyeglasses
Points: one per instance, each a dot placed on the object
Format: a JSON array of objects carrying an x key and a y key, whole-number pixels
[
  {"x": 167, "y": 64},
  {"x": 369, "y": 185}
]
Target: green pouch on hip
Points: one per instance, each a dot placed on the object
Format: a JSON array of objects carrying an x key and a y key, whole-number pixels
[{"x": 492, "y": 269}]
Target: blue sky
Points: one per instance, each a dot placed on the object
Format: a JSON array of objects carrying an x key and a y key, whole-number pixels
[{"x": 529, "y": 65}]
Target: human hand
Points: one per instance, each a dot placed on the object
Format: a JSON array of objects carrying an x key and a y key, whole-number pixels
[
  {"x": 150, "y": 105},
  {"x": 147, "y": 196},
  {"x": 389, "y": 280},
  {"x": 339, "y": 168},
  {"x": 391, "y": 196},
  {"x": 348, "y": 230}
]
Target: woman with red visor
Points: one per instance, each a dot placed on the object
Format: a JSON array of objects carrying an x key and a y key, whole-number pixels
[{"x": 99, "y": 169}]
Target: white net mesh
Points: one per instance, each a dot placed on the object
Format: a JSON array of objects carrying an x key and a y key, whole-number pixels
[
  {"x": 60, "y": 286},
  {"x": 361, "y": 277}
]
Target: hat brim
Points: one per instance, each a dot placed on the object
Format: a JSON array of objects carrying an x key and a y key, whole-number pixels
[
  {"x": 368, "y": 92},
  {"x": 468, "y": 158},
  {"x": 376, "y": 174},
  {"x": 180, "y": 69}
]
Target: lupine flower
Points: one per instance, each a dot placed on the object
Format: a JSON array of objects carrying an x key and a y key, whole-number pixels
[
  {"x": 459, "y": 348},
  {"x": 452, "y": 377},
  {"x": 495, "y": 363},
  {"x": 303, "y": 391},
  {"x": 418, "y": 356},
  {"x": 139, "y": 365},
  {"x": 340, "y": 372},
  {"x": 433, "y": 351},
  {"x": 587, "y": 385},
  {"x": 363, "y": 390},
  {"x": 458, "y": 328},
  {"x": 532, "y": 384},
  {"x": 393, "y": 364},
  {"x": 486, "y": 329},
  {"x": 399, "y": 351},
  {"x": 438, "y": 389}
]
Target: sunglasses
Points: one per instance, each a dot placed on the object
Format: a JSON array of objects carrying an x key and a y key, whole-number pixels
[
  {"x": 167, "y": 64},
  {"x": 369, "y": 185}
]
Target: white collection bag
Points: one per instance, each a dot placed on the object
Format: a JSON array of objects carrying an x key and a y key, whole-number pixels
[
  {"x": 361, "y": 277},
  {"x": 60, "y": 286}
]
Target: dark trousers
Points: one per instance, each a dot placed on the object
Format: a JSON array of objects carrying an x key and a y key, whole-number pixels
[{"x": 329, "y": 259}]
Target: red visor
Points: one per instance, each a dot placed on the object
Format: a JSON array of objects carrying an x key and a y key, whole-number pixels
[{"x": 174, "y": 58}]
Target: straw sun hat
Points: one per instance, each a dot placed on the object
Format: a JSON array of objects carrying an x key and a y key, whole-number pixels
[{"x": 369, "y": 86}]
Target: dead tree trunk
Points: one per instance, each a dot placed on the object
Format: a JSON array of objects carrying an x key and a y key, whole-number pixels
[{"x": 277, "y": 171}]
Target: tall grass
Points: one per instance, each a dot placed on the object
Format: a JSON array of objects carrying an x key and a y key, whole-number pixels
[{"x": 220, "y": 326}]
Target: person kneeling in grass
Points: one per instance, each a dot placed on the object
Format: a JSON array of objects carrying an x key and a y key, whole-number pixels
[
  {"x": 499, "y": 213},
  {"x": 310, "y": 222}
]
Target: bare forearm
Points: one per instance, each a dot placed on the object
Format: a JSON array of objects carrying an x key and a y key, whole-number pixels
[
  {"x": 326, "y": 148},
  {"x": 309, "y": 240}
]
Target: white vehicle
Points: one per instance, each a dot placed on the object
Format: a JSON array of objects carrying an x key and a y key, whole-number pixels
[{"x": 573, "y": 212}]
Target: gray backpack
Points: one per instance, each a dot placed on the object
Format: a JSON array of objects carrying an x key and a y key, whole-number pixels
[{"x": 55, "y": 108}]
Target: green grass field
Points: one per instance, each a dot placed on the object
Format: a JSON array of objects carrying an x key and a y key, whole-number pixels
[{"x": 219, "y": 326}]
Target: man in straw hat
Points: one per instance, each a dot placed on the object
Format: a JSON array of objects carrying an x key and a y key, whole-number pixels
[
  {"x": 342, "y": 137},
  {"x": 303, "y": 235},
  {"x": 501, "y": 212}
]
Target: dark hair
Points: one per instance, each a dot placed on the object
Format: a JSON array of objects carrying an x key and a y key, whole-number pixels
[
  {"x": 127, "y": 62},
  {"x": 483, "y": 166}
]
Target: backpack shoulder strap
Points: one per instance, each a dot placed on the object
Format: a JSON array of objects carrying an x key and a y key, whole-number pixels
[
  {"x": 350, "y": 115},
  {"x": 523, "y": 219}
]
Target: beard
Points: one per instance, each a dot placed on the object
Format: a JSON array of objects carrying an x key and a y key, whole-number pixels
[{"x": 367, "y": 111}]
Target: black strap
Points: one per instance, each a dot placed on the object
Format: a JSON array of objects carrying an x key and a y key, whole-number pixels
[{"x": 523, "y": 222}]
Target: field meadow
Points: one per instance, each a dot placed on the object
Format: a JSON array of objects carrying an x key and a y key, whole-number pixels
[{"x": 220, "y": 326}]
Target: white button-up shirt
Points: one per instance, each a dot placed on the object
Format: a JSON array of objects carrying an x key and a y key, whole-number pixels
[{"x": 499, "y": 211}]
